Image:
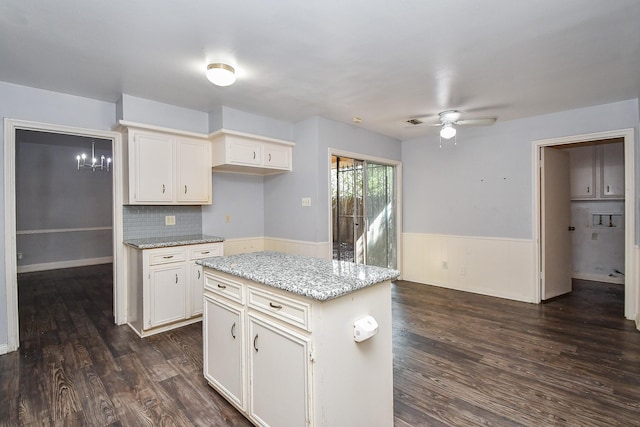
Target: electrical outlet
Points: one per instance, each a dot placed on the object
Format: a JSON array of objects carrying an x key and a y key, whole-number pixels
[
  {"x": 19, "y": 255},
  {"x": 170, "y": 220},
  {"x": 227, "y": 218},
  {"x": 306, "y": 201}
]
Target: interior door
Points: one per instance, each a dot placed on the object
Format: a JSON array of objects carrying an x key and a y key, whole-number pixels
[{"x": 555, "y": 222}]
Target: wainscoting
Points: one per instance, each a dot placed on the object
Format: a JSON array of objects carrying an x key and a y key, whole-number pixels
[
  {"x": 298, "y": 247},
  {"x": 489, "y": 266}
]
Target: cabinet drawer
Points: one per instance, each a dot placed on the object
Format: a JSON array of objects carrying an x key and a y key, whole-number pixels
[
  {"x": 223, "y": 286},
  {"x": 294, "y": 312},
  {"x": 205, "y": 250},
  {"x": 164, "y": 256}
]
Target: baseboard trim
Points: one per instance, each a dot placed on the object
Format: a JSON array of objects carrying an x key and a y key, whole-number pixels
[
  {"x": 64, "y": 264},
  {"x": 598, "y": 277},
  {"x": 4, "y": 349}
]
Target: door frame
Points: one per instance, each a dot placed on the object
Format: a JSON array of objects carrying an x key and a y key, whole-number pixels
[
  {"x": 10, "y": 261},
  {"x": 630, "y": 286},
  {"x": 398, "y": 177}
]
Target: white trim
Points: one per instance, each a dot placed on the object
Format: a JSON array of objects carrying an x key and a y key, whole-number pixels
[
  {"x": 484, "y": 238},
  {"x": 62, "y": 230},
  {"x": 618, "y": 280},
  {"x": 631, "y": 285},
  {"x": 128, "y": 124},
  {"x": 398, "y": 169},
  {"x": 11, "y": 284},
  {"x": 30, "y": 268},
  {"x": 221, "y": 132}
]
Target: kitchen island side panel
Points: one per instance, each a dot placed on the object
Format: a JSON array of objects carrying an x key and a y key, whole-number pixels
[{"x": 354, "y": 380}]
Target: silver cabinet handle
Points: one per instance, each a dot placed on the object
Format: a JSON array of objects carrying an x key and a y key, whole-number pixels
[
  {"x": 588, "y": 189},
  {"x": 198, "y": 274},
  {"x": 205, "y": 252},
  {"x": 608, "y": 191},
  {"x": 255, "y": 343},
  {"x": 269, "y": 156},
  {"x": 185, "y": 189},
  {"x": 163, "y": 188},
  {"x": 276, "y": 306},
  {"x": 233, "y": 330},
  {"x": 167, "y": 256},
  {"x": 222, "y": 286},
  {"x": 176, "y": 278},
  {"x": 254, "y": 154}
]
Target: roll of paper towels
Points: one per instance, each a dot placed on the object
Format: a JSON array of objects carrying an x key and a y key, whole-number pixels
[{"x": 364, "y": 328}]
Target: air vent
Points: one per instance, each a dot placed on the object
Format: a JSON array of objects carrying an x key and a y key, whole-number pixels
[{"x": 415, "y": 121}]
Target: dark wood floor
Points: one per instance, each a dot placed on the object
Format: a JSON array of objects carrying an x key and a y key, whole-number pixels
[{"x": 459, "y": 359}]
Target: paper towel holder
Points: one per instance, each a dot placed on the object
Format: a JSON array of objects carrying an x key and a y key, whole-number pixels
[{"x": 364, "y": 328}]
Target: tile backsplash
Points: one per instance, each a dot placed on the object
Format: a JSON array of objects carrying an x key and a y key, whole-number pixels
[{"x": 141, "y": 222}]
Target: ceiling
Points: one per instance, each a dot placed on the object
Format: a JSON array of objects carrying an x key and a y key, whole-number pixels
[{"x": 383, "y": 61}]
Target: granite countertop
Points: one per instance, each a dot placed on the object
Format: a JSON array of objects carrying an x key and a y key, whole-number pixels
[
  {"x": 165, "y": 242},
  {"x": 320, "y": 279}
]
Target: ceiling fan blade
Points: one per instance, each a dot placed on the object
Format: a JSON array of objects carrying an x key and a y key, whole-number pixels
[{"x": 476, "y": 122}]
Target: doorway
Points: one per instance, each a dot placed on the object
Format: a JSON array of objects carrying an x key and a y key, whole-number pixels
[
  {"x": 542, "y": 275},
  {"x": 11, "y": 127},
  {"x": 364, "y": 211}
]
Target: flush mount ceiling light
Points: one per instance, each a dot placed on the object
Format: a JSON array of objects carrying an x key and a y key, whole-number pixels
[
  {"x": 447, "y": 131},
  {"x": 221, "y": 74}
]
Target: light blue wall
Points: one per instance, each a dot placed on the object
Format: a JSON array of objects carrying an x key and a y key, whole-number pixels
[
  {"x": 149, "y": 112},
  {"x": 242, "y": 121},
  {"x": 51, "y": 194},
  {"x": 25, "y": 103},
  {"x": 482, "y": 187},
  {"x": 284, "y": 215},
  {"x": 239, "y": 196}
]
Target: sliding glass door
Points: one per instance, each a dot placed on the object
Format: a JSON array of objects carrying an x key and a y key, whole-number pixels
[{"x": 363, "y": 211}]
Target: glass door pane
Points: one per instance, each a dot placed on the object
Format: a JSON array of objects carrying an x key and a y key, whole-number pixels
[{"x": 380, "y": 215}]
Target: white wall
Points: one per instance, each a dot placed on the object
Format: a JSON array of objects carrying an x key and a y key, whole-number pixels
[{"x": 482, "y": 189}]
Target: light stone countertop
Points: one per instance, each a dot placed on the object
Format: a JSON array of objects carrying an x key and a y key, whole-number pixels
[
  {"x": 166, "y": 242},
  {"x": 316, "y": 278}
]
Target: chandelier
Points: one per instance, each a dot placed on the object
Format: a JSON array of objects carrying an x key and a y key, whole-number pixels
[{"x": 92, "y": 163}]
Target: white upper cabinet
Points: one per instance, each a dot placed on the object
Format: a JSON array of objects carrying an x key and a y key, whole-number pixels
[
  {"x": 582, "y": 161},
  {"x": 597, "y": 171},
  {"x": 167, "y": 167},
  {"x": 251, "y": 154},
  {"x": 612, "y": 170}
]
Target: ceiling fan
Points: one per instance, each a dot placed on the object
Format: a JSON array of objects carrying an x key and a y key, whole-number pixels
[{"x": 448, "y": 120}]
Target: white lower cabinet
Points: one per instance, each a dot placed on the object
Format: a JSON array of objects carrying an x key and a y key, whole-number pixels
[
  {"x": 280, "y": 374},
  {"x": 223, "y": 330},
  {"x": 165, "y": 286},
  {"x": 167, "y": 295}
]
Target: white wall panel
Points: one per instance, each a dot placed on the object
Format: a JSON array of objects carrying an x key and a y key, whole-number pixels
[{"x": 489, "y": 266}]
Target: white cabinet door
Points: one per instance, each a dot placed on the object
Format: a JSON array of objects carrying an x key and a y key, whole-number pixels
[
  {"x": 223, "y": 331},
  {"x": 167, "y": 294},
  {"x": 244, "y": 152},
  {"x": 612, "y": 167},
  {"x": 276, "y": 156},
  {"x": 280, "y": 374},
  {"x": 152, "y": 168},
  {"x": 582, "y": 166},
  {"x": 194, "y": 170},
  {"x": 196, "y": 289}
]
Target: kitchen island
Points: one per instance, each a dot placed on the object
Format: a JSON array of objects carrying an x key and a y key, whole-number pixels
[{"x": 299, "y": 341}]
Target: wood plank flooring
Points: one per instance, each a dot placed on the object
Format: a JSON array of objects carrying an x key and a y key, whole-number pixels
[{"x": 459, "y": 360}]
